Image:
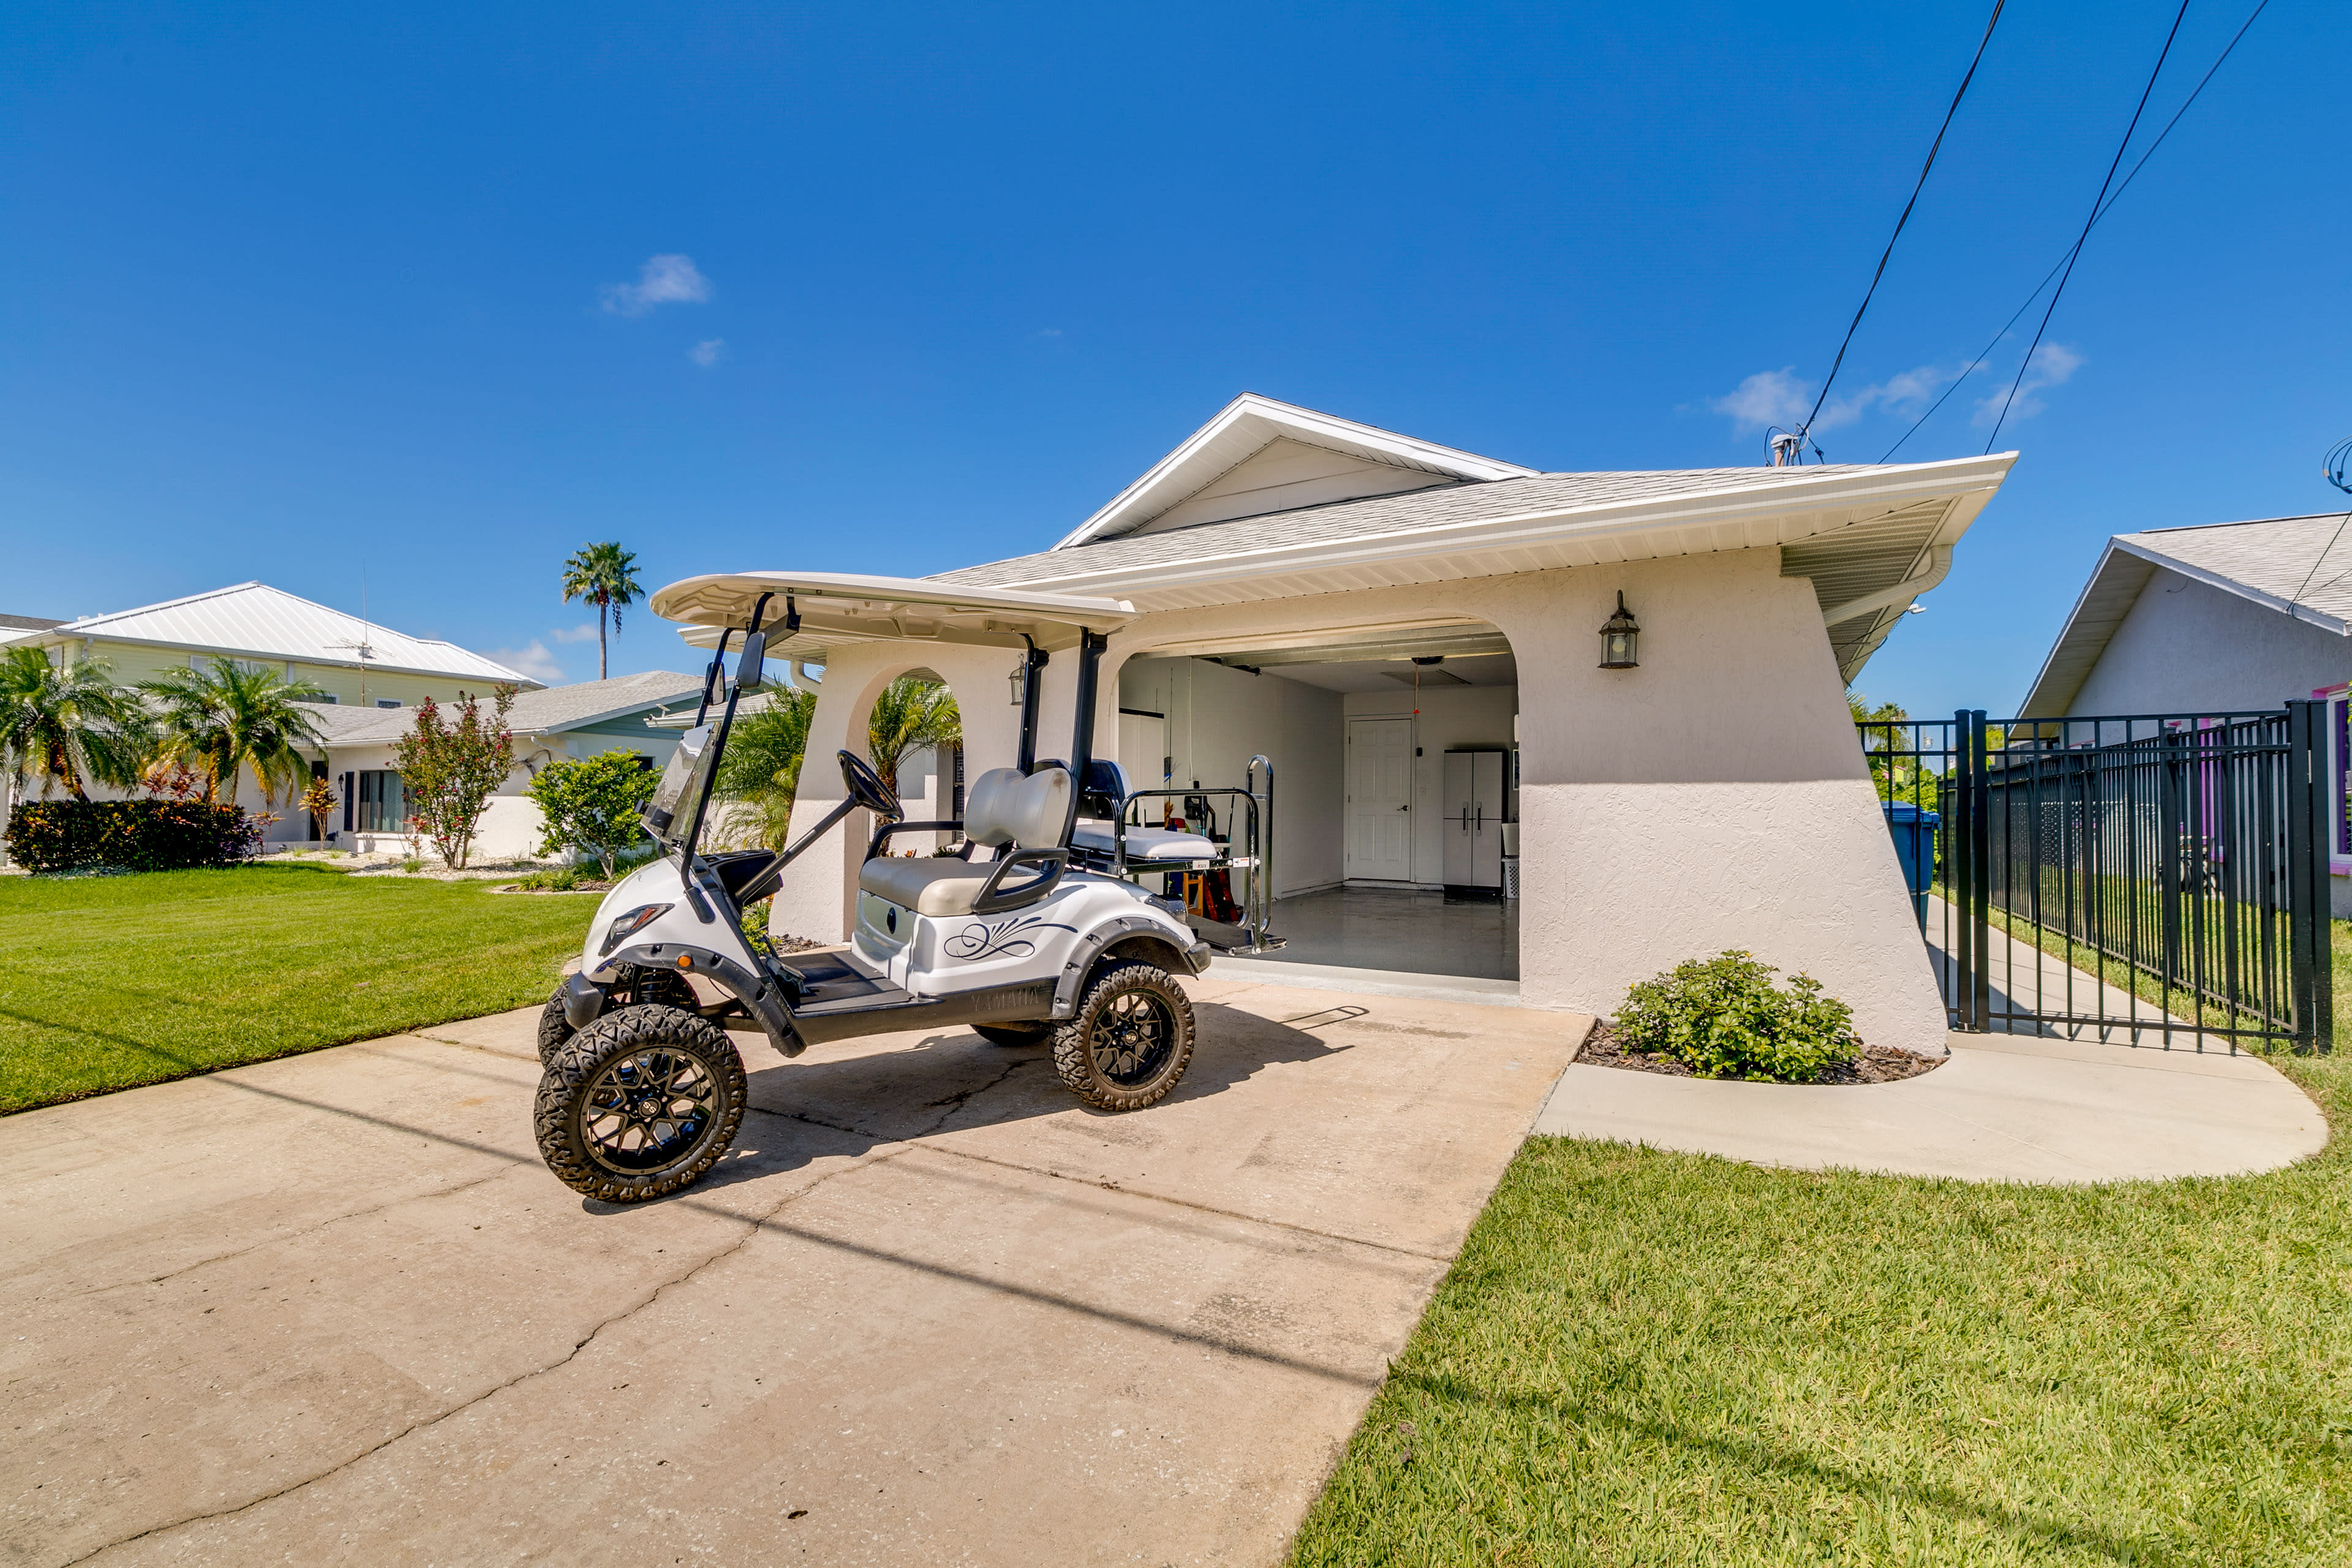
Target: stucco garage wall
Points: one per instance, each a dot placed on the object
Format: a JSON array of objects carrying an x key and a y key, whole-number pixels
[
  {"x": 1452, "y": 717},
  {"x": 2185, "y": 647},
  {"x": 1218, "y": 718}
]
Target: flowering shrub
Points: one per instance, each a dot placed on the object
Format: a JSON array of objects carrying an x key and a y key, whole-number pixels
[
  {"x": 449, "y": 770},
  {"x": 1723, "y": 1018},
  {"x": 137, "y": 835}
]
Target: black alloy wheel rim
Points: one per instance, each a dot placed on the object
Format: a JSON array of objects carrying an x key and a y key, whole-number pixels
[
  {"x": 648, "y": 1111},
  {"x": 1132, "y": 1037}
]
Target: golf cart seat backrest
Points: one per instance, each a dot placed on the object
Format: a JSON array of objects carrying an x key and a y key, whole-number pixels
[
  {"x": 1105, "y": 789},
  {"x": 1003, "y": 809}
]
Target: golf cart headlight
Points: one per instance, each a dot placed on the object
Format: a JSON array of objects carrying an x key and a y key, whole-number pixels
[{"x": 629, "y": 924}]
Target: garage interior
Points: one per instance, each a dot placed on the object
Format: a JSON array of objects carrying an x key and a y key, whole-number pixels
[{"x": 1395, "y": 819}]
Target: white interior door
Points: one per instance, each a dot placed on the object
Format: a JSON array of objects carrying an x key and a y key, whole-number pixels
[
  {"x": 1380, "y": 800},
  {"x": 1143, "y": 752}
]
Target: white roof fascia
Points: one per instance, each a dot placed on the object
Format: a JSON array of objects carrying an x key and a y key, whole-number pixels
[
  {"x": 504, "y": 676},
  {"x": 1892, "y": 488},
  {"x": 1196, "y": 462}
]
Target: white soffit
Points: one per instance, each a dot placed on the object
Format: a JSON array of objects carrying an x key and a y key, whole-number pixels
[{"x": 1251, "y": 424}]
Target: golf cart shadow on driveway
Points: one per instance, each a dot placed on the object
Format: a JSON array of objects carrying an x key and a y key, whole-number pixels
[{"x": 894, "y": 1089}]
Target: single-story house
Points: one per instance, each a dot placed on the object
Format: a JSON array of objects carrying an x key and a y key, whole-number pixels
[
  {"x": 1365, "y": 610},
  {"x": 2228, "y": 618},
  {"x": 558, "y": 721}
]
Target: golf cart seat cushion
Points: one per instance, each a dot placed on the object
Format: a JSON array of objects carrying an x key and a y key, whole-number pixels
[
  {"x": 1004, "y": 806},
  {"x": 928, "y": 886},
  {"x": 1144, "y": 843}
]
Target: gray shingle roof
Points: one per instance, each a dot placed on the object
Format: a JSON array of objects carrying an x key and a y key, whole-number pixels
[
  {"x": 1369, "y": 518},
  {"x": 27, "y": 624},
  {"x": 547, "y": 711},
  {"x": 2282, "y": 558}
]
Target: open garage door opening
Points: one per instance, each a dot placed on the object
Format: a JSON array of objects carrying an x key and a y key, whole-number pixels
[{"x": 1395, "y": 815}]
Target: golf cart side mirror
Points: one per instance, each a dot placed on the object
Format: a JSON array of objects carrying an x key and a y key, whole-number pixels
[{"x": 751, "y": 667}]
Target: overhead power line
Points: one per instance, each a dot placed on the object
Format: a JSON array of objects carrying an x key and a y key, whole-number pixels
[
  {"x": 2076, "y": 254},
  {"x": 1804, "y": 432},
  {"x": 2113, "y": 196}
]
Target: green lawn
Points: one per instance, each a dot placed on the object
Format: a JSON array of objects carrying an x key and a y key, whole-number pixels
[
  {"x": 1652, "y": 1358},
  {"x": 115, "y": 981}
]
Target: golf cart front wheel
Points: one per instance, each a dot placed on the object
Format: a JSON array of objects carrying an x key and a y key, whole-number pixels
[
  {"x": 639, "y": 1103},
  {"x": 639, "y": 984},
  {"x": 1029, "y": 1034},
  {"x": 1131, "y": 1039}
]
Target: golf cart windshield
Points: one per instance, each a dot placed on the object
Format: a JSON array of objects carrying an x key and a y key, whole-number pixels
[{"x": 671, "y": 810}]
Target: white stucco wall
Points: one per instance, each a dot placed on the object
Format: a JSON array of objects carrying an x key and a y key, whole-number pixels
[
  {"x": 2185, "y": 647},
  {"x": 1713, "y": 798}
]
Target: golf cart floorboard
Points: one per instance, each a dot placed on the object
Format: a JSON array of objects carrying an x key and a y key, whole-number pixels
[{"x": 841, "y": 1000}]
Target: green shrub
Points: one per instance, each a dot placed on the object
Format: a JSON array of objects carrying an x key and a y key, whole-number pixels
[
  {"x": 591, "y": 805},
  {"x": 1723, "y": 1018},
  {"x": 137, "y": 835}
]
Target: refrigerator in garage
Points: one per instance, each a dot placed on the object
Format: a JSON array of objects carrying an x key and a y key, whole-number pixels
[{"x": 1472, "y": 824}]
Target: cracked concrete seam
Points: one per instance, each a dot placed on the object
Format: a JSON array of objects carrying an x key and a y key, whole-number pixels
[{"x": 752, "y": 1224}]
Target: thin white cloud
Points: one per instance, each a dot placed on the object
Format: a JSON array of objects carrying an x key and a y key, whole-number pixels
[
  {"x": 708, "y": 353},
  {"x": 668, "y": 279},
  {"x": 585, "y": 632},
  {"x": 534, "y": 661},
  {"x": 1778, "y": 397},
  {"x": 2052, "y": 365},
  {"x": 1767, "y": 398}
]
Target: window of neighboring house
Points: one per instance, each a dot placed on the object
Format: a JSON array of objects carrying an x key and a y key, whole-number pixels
[
  {"x": 325, "y": 697},
  {"x": 383, "y": 805},
  {"x": 2340, "y": 738},
  {"x": 387, "y": 701}
]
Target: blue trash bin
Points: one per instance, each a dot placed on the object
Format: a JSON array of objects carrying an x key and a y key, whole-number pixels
[{"x": 1915, "y": 845}]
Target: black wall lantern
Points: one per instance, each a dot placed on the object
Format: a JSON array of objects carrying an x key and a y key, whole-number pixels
[{"x": 1619, "y": 636}]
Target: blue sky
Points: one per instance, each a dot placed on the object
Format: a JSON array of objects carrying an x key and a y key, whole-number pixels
[{"x": 300, "y": 293}]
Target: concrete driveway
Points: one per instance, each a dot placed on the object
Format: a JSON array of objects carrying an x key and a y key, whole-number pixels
[{"x": 332, "y": 1309}]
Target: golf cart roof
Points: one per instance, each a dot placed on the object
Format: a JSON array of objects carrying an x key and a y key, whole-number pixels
[{"x": 839, "y": 609}]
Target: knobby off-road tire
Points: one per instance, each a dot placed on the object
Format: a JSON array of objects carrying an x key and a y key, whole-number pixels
[
  {"x": 1131, "y": 1039},
  {"x": 639, "y": 985},
  {"x": 1030, "y": 1034},
  {"x": 639, "y": 1103}
]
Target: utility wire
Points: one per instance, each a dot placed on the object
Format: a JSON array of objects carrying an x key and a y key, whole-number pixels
[
  {"x": 1804, "y": 431},
  {"x": 2116, "y": 194},
  {"x": 2077, "y": 254}
]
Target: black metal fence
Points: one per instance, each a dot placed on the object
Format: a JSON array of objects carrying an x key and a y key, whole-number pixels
[{"x": 2151, "y": 874}]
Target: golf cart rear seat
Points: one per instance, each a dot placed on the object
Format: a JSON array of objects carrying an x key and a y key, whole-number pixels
[{"x": 1030, "y": 816}]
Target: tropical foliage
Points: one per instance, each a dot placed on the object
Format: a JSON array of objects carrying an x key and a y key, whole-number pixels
[
  {"x": 229, "y": 718},
  {"x": 130, "y": 835},
  {"x": 449, "y": 771},
  {"x": 912, "y": 713},
  {"x": 69, "y": 725},
  {"x": 592, "y": 805},
  {"x": 605, "y": 576},
  {"x": 762, "y": 768}
]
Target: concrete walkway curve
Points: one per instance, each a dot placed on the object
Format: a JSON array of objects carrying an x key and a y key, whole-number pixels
[{"x": 2003, "y": 1108}]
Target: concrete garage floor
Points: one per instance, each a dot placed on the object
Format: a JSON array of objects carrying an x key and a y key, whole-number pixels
[
  {"x": 1416, "y": 931},
  {"x": 332, "y": 1310}
]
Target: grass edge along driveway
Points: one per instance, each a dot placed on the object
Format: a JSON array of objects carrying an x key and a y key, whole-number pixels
[
  {"x": 112, "y": 982},
  {"x": 1653, "y": 1358}
]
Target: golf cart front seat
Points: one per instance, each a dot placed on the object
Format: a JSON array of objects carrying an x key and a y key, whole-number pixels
[{"x": 1029, "y": 816}]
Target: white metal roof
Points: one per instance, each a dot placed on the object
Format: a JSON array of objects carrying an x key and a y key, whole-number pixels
[
  {"x": 253, "y": 620},
  {"x": 550, "y": 711},
  {"x": 839, "y": 608},
  {"x": 2299, "y": 566}
]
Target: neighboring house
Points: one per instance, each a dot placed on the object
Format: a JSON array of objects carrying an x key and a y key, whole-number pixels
[
  {"x": 581, "y": 720},
  {"x": 1353, "y": 603},
  {"x": 2229, "y": 618},
  {"x": 11, "y": 624}
]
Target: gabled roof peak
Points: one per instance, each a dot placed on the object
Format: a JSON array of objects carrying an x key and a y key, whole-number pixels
[{"x": 1305, "y": 457}]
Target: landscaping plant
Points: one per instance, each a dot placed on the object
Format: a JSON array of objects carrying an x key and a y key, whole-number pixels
[
  {"x": 231, "y": 720},
  {"x": 449, "y": 771},
  {"x": 67, "y": 725},
  {"x": 591, "y": 803},
  {"x": 133, "y": 834},
  {"x": 606, "y": 576},
  {"x": 761, "y": 767},
  {"x": 1723, "y": 1018}
]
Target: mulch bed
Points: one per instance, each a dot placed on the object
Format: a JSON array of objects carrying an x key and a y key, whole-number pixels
[{"x": 1873, "y": 1064}]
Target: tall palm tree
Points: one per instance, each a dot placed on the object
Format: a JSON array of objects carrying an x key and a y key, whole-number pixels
[
  {"x": 910, "y": 714},
  {"x": 763, "y": 764},
  {"x": 230, "y": 719},
  {"x": 606, "y": 576},
  {"x": 69, "y": 725}
]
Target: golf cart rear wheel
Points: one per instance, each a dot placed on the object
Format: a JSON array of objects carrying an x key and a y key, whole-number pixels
[
  {"x": 639, "y": 1103},
  {"x": 639, "y": 984},
  {"x": 1030, "y": 1034},
  {"x": 1131, "y": 1039}
]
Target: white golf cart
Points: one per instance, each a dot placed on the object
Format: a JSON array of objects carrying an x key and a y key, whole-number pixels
[{"x": 1031, "y": 928}]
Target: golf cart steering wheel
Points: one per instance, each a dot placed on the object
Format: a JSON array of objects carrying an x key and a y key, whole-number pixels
[{"x": 867, "y": 788}]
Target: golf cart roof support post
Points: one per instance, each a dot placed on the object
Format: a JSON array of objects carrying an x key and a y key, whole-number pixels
[
  {"x": 693, "y": 838},
  {"x": 1034, "y": 663},
  {"x": 1082, "y": 724}
]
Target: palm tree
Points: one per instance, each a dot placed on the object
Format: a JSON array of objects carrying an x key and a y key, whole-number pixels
[
  {"x": 230, "y": 719},
  {"x": 606, "y": 576},
  {"x": 68, "y": 724},
  {"x": 763, "y": 764},
  {"x": 911, "y": 714}
]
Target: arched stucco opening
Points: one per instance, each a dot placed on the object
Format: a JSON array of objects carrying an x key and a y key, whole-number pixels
[{"x": 1393, "y": 751}]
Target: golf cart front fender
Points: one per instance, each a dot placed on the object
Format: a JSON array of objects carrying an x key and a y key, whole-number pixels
[
  {"x": 1129, "y": 936},
  {"x": 583, "y": 1000},
  {"x": 761, "y": 995}
]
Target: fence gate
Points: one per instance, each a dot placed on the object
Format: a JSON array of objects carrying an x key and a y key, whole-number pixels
[{"x": 2116, "y": 876}]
